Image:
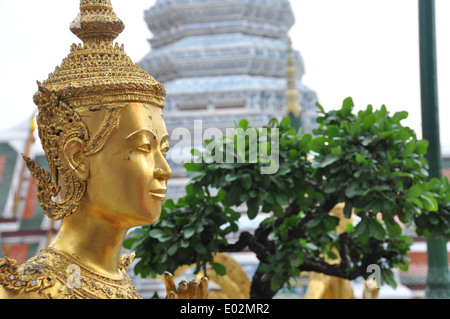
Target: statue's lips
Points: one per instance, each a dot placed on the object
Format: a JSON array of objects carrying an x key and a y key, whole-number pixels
[{"x": 159, "y": 193}]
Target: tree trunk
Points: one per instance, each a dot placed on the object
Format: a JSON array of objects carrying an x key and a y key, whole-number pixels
[{"x": 261, "y": 289}]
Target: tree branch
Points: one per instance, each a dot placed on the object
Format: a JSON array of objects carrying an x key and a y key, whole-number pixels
[
  {"x": 344, "y": 251},
  {"x": 246, "y": 240},
  {"x": 343, "y": 270}
]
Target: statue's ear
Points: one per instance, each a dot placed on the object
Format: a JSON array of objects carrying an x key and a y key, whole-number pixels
[{"x": 75, "y": 158}]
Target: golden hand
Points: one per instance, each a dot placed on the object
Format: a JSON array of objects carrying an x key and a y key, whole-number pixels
[{"x": 186, "y": 290}]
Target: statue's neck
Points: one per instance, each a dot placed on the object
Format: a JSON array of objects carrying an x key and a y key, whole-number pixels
[{"x": 91, "y": 243}]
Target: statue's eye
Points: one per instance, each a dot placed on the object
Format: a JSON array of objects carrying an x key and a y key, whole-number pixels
[
  {"x": 145, "y": 148},
  {"x": 164, "y": 151}
]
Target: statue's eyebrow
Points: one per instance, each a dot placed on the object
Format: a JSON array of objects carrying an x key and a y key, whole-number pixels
[{"x": 140, "y": 131}]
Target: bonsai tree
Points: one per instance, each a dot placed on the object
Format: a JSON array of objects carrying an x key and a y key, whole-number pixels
[{"x": 367, "y": 160}]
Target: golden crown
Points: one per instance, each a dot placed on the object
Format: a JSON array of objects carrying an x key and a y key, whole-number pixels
[{"x": 97, "y": 73}]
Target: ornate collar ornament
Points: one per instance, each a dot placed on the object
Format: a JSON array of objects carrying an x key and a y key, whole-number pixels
[
  {"x": 96, "y": 74},
  {"x": 48, "y": 269}
]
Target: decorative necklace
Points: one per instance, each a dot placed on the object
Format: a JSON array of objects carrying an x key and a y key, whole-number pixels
[{"x": 54, "y": 275}]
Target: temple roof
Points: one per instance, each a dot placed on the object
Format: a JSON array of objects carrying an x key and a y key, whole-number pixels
[
  {"x": 171, "y": 20},
  {"x": 226, "y": 83},
  {"x": 220, "y": 55}
]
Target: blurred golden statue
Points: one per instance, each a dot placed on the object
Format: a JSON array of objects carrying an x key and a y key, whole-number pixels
[
  {"x": 322, "y": 286},
  {"x": 101, "y": 126}
]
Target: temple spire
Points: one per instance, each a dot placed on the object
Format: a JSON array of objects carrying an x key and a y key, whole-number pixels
[{"x": 293, "y": 95}]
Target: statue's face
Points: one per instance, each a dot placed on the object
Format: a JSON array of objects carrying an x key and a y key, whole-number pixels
[{"x": 128, "y": 178}]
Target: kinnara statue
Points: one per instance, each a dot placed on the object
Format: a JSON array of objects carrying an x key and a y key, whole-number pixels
[{"x": 101, "y": 126}]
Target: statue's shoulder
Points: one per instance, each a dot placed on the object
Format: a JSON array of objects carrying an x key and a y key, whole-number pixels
[{"x": 37, "y": 278}]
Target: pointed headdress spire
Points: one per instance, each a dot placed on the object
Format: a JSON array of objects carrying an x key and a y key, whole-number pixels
[{"x": 97, "y": 21}]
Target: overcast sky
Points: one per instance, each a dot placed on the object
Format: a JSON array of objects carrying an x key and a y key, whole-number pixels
[{"x": 366, "y": 49}]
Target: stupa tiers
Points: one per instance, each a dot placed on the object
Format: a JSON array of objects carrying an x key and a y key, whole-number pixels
[{"x": 224, "y": 60}]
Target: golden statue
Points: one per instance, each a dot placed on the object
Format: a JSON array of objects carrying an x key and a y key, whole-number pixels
[
  {"x": 322, "y": 286},
  {"x": 101, "y": 126}
]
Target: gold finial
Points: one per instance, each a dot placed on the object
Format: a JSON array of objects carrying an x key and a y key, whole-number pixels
[
  {"x": 97, "y": 22},
  {"x": 292, "y": 92}
]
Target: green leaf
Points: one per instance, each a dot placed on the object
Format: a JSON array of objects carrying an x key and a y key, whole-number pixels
[
  {"x": 355, "y": 129},
  {"x": 401, "y": 115},
  {"x": 190, "y": 190},
  {"x": 275, "y": 284},
  {"x": 221, "y": 270},
  {"x": 348, "y": 210},
  {"x": 173, "y": 249},
  {"x": 401, "y": 174},
  {"x": 332, "y": 131},
  {"x": 350, "y": 191},
  {"x": 429, "y": 202},
  {"x": 277, "y": 210},
  {"x": 434, "y": 220},
  {"x": 188, "y": 233},
  {"x": 157, "y": 233},
  {"x": 283, "y": 170},
  {"x": 368, "y": 121},
  {"x": 328, "y": 160},
  {"x": 360, "y": 159},
  {"x": 367, "y": 140},
  {"x": 305, "y": 140},
  {"x": 128, "y": 243},
  {"x": 417, "y": 201},
  {"x": 195, "y": 175},
  {"x": 246, "y": 181},
  {"x": 385, "y": 134},
  {"x": 320, "y": 107},
  {"x": 387, "y": 276},
  {"x": 349, "y": 228},
  {"x": 169, "y": 203},
  {"x": 296, "y": 261},
  {"x": 318, "y": 144},
  {"x": 376, "y": 230},
  {"x": 285, "y": 122},
  {"x": 393, "y": 228},
  {"x": 253, "y": 208},
  {"x": 310, "y": 246},
  {"x": 232, "y": 196},
  {"x": 243, "y": 124},
  {"x": 201, "y": 249},
  {"x": 231, "y": 177},
  {"x": 337, "y": 151},
  {"x": 409, "y": 148},
  {"x": 293, "y": 154},
  {"x": 413, "y": 192},
  {"x": 422, "y": 147},
  {"x": 313, "y": 223},
  {"x": 193, "y": 167},
  {"x": 361, "y": 228},
  {"x": 331, "y": 222},
  {"x": 347, "y": 107},
  {"x": 281, "y": 199},
  {"x": 184, "y": 244},
  {"x": 196, "y": 152}
]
